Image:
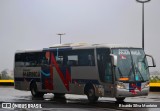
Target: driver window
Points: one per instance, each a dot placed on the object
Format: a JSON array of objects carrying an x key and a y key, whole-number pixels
[{"x": 104, "y": 64}]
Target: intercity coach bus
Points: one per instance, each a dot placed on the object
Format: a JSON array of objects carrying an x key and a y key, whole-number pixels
[{"x": 96, "y": 70}]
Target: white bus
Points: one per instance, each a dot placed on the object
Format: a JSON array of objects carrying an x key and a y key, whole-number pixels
[{"x": 97, "y": 70}]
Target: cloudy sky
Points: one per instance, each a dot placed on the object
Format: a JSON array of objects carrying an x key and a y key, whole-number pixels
[{"x": 33, "y": 24}]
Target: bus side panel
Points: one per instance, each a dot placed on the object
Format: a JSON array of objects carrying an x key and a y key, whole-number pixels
[
  {"x": 81, "y": 76},
  {"x": 24, "y": 75},
  {"x": 19, "y": 82},
  {"x": 59, "y": 85}
]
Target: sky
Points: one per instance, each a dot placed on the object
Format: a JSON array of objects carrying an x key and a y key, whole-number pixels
[{"x": 34, "y": 24}]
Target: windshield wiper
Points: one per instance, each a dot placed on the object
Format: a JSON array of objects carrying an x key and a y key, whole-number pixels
[
  {"x": 137, "y": 70},
  {"x": 120, "y": 72},
  {"x": 132, "y": 69}
]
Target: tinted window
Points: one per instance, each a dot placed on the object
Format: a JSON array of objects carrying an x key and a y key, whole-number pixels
[
  {"x": 104, "y": 64},
  {"x": 30, "y": 59},
  {"x": 76, "y": 57}
]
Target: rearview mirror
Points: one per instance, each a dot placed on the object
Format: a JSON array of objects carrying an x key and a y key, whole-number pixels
[
  {"x": 151, "y": 60},
  {"x": 114, "y": 59}
]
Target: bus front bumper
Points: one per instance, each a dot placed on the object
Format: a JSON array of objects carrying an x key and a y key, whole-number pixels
[{"x": 131, "y": 93}]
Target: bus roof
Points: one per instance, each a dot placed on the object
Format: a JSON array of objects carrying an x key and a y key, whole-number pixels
[
  {"x": 81, "y": 45},
  {"x": 113, "y": 46},
  {"x": 77, "y": 46}
]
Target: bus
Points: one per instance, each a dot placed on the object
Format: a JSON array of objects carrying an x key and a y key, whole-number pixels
[{"x": 94, "y": 70}]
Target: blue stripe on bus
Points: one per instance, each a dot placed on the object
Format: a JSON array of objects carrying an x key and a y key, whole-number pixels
[
  {"x": 45, "y": 74},
  {"x": 27, "y": 79},
  {"x": 84, "y": 81}
]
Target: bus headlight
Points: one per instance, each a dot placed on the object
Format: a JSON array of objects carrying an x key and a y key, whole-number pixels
[
  {"x": 146, "y": 85},
  {"x": 120, "y": 86}
]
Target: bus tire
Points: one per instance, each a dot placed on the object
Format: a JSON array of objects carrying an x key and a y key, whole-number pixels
[
  {"x": 59, "y": 95},
  {"x": 40, "y": 94},
  {"x": 34, "y": 90},
  {"x": 120, "y": 99},
  {"x": 91, "y": 94}
]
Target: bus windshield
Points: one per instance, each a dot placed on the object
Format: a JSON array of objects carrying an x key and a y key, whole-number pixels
[{"x": 131, "y": 65}]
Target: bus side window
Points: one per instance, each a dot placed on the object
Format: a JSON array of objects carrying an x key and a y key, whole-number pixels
[
  {"x": 104, "y": 64},
  {"x": 29, "y": 60},
  {"x": 91, "y": 60},
  {"x": 59, "y": 60},
  {"x": 42, "y": 59},
  {"x": 19, "y": 60},
  {"x": 34, "y": 59},
  {"x": 86, "y": 58},
  {"x": 72, "y": 60}
]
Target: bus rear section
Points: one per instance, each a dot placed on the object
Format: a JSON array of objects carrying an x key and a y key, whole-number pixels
[{"x": 56, "y": 70}]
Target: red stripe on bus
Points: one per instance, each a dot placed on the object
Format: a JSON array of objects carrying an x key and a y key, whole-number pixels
[{"x": 68, "y": 77}]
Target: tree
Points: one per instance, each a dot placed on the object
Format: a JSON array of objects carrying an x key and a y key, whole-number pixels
[{"x": 4, "y": 74}]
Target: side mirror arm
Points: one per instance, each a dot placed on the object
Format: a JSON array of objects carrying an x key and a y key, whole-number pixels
[{"x": 153, "y": 61}]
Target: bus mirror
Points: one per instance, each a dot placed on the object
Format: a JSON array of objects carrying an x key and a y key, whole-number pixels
[
  {"x": 114, "y": 59},
  {"x": 150, "y": 59}
]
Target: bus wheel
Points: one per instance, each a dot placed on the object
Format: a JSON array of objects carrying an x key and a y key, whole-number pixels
[
  {"x": 91, "y": 95},
  {"x": 34, "y": 91},
  {"x": 59, "y": 95},
  {"x": 120, "y": 99}
]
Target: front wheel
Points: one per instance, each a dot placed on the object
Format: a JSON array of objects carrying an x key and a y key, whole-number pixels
[
  {"x": 91, "y": 95},
  {"x": 59, "y": 95},
  {"x": 120, "y": 99}
]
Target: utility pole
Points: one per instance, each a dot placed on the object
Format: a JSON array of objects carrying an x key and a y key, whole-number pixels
[
  {"x": 143, "y": 1},
  {"x": 60, "y": 34}
]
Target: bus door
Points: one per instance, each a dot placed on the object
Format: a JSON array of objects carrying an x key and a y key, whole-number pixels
[{"x": 105, "y": 70}]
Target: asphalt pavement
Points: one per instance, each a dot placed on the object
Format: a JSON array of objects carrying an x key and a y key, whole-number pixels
[{"x": 23, "y": 101}]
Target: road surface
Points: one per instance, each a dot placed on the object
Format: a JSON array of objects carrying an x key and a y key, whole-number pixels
[{"x": 74, "y": 102}]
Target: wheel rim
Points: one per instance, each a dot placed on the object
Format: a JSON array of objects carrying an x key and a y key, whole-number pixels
[
  {"x": 33, "y": 90},
  {"x": 90, "y": 92}
]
